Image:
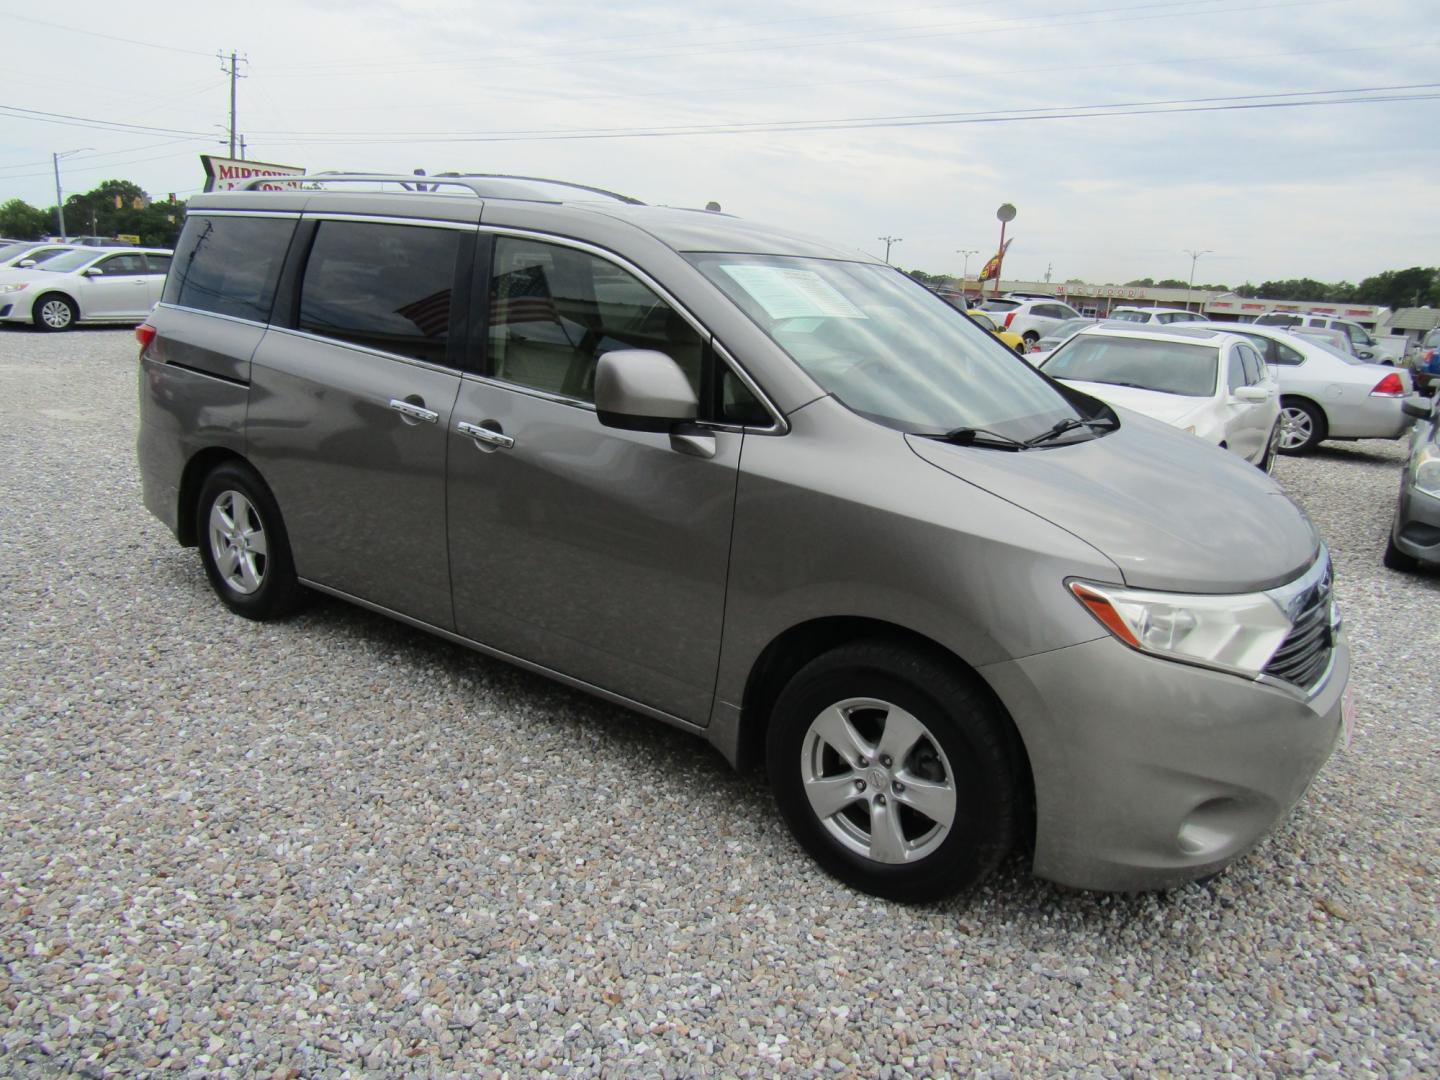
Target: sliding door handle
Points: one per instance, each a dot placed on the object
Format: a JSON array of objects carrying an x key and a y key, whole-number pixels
[
  {"x": 412, "y": 411},
  {"x": 488, "y": 438}
]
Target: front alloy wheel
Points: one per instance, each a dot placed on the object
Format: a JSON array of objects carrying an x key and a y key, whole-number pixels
[
  {"x": 878, "y": 780},
  {"x": 54, "y": 313}
]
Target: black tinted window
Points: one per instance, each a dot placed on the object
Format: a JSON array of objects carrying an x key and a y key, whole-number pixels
[
  {"x": 122, "y": 265},
  {"x": 384, "y": 287},
  {"x": 229, "y": 265}
]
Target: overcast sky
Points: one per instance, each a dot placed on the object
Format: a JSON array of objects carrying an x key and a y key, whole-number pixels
[{"x": 1336, "y": 191}]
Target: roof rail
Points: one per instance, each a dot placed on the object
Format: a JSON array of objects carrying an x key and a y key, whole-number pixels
[{"x": 471, "y": 182}]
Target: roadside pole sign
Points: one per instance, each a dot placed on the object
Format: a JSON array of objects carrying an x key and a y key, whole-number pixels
[{"x": 223, "y": 174}]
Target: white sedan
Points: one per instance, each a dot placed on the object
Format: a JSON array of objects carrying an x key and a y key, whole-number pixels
[
  {"x": 1211, "y": 384},
  {"x": 85, "y": 285}
]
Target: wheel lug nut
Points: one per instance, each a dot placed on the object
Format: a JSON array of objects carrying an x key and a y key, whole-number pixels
[
  {"x": 899, "y": 787},
  {"x": 885, "y": 760},
  {"x": 859, "y": 785},
  {"x": 879, "y": 800},
  {"x": 862, "y": 762}
]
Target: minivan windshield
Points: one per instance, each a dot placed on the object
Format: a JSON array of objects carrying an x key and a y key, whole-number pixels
[{"x": 889, "y": 349}]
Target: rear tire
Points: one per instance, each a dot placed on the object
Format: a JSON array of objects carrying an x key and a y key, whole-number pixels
[
  {"x": 895, "y": 770},
  {"x": 1395, "y": 559},
  {"x": 243, "y": 544},
  {"x": 54, "y": 312},
  {"x": 1030, "y": 337},
  {"x": 1302, "y": 426}
]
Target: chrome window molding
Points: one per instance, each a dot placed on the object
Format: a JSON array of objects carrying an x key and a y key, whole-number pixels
[
  {"x": 377, "y": 219},
  {"x": 206, "y": 212},
  {"x": 214, "y": 315},
  {"x": 342, "y": 343}
]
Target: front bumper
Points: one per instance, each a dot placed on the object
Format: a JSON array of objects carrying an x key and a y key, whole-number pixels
[
  {"x": 1150, "y": 773},
  {"x": 1417, "y": 522}
]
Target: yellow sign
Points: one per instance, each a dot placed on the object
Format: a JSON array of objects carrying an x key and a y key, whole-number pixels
[{"x": 129, "y": 238}]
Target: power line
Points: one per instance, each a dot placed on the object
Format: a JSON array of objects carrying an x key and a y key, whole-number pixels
[
  {"x": 901, "y": 120},
  {"x": 790, "y": 44},
  {"x": 12, "y": 17},
  {"x": 18, "y": 113}
]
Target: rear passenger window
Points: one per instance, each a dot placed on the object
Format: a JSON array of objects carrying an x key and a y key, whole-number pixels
[
  {"x": 554, "y": 311},
  {"x": 384, "y": 287},
  {"x": 229, "y": 265},
  {"x": 1288, "y": 356}
]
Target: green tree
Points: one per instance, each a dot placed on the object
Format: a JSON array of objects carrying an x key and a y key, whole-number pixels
[
  {"x": 1394, "y": 289},
  {"x": 21, "y": 221}
]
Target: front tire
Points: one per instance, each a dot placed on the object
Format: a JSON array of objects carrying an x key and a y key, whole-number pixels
[
  {"x": 895, "y": 771},
  {"x": 1395, "y": 559},
  {"x": 54, "y": 312},
  {"x": 243, "y": 545},
  {"x": 1302, "y": 426}
]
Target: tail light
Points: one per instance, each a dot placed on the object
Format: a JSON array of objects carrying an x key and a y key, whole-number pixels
[
  {"x": 1009, "y": 318},
  {"x": 1389, "y": 386},
  {"x": 145, "y": 334}
]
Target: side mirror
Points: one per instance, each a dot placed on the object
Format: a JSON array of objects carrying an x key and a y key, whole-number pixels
[
  {"x": 642, "y": 390},
  {"x": 1418, "y": 407},
  {"x": 26, "y": 264},
  {"x": 1252, "y": 394},
  {"x": 94, "y": 271}
]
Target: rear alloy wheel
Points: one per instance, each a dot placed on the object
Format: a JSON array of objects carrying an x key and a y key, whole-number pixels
[
  {"x": 1302, "y": 427},
  {"x": 243, "y": 545},
  {"x": 894, "y": 771},
  {"x": 1395, "y": 559},
  {"x": 54, "y": 312},
  {"x": 1031, "y": 337}
]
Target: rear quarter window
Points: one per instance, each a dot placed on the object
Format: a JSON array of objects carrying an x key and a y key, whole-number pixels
[{"x": 229, "y": 265}]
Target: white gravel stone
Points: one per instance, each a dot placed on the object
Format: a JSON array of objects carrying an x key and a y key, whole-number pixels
[{"x": 336, "y": 846}]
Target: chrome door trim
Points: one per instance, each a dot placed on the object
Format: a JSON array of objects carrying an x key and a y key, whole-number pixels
[
  {"x": 486, "y": 435},
  {"x": 201, "y": 212},
  {"x": 509, "y": 658},
  {"x": 170, "y": 306},
  {"x": 415, "y": 412},
  {"x": 529, "y": 391}
]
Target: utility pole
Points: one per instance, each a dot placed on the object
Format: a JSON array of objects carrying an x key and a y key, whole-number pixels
[
  {"x": 1194, "y": 258},
  {"x": 59, "y": 196},
  {"x": 887, "y": 241},
  {"x": 233, "y": 70},
  {"x": 1049, "y": 269}
]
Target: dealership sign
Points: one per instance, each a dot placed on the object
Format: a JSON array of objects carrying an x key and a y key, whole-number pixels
[{"x": 223, "y": 174}]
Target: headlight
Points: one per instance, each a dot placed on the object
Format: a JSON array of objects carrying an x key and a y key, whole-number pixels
[
  {"x": 1237, "y": 633},
  {"x": 1427, "y": 470},
  {"x": 18, "y": 287}
]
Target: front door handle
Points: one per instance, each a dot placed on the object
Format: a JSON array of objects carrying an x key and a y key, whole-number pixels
[
  {"x": 491, "y": 438},
  {"x": 413, "y": 411}
]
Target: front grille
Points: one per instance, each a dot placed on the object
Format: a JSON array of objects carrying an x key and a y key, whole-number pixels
[{"x": 1305, "y": 654}]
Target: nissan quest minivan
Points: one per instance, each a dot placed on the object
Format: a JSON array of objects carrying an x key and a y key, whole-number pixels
[{"x": 761, "y": 488}]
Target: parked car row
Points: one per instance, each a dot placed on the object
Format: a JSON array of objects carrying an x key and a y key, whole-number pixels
[{"x": 82, "y": 285}]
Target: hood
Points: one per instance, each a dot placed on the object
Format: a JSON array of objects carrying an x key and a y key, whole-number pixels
[
  {"x": 1167, "y": 408},
  {"x": 1172, "y": 512}
]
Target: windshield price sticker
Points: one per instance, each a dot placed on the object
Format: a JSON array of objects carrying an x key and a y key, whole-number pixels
[{"x": 787, "y": 293}]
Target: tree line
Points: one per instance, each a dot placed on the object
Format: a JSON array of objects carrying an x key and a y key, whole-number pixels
[
  {"x": 114, "y": 208},
  {"x": 1419, "y": 286}
]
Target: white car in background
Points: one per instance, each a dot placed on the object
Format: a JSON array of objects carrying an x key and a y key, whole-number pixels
[
  {"x": 1161, "y": 316},
  {"x": 1326, "y": 393},
  {"x": 24, "y": 254},
  {"x": 85, "y": 285},
  {"x": 1211, "y": 384},
  {"x": 1031, "y": 319}
]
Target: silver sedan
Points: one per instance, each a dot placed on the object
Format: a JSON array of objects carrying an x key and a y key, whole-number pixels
[{"x": 1325, "y": 394}]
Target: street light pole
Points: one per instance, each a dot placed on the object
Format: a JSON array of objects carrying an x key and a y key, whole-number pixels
[
  {"x": 59, "y": 196},
  {"x": 887, "y": 241},
  {"x": 967, "y": 252},
  {"x": 1194, "y": 258}
]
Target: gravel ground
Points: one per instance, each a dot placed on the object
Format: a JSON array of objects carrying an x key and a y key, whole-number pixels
[{"x": 336, "y": 846}]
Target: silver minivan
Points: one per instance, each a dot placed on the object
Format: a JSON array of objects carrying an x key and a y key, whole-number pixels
[{"x": 767, "y": 490}]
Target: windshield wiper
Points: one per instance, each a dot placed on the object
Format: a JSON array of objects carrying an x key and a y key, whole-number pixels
[
  {"x": 972, "y": 436},
  {"x": 1071, "y": 424}
]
